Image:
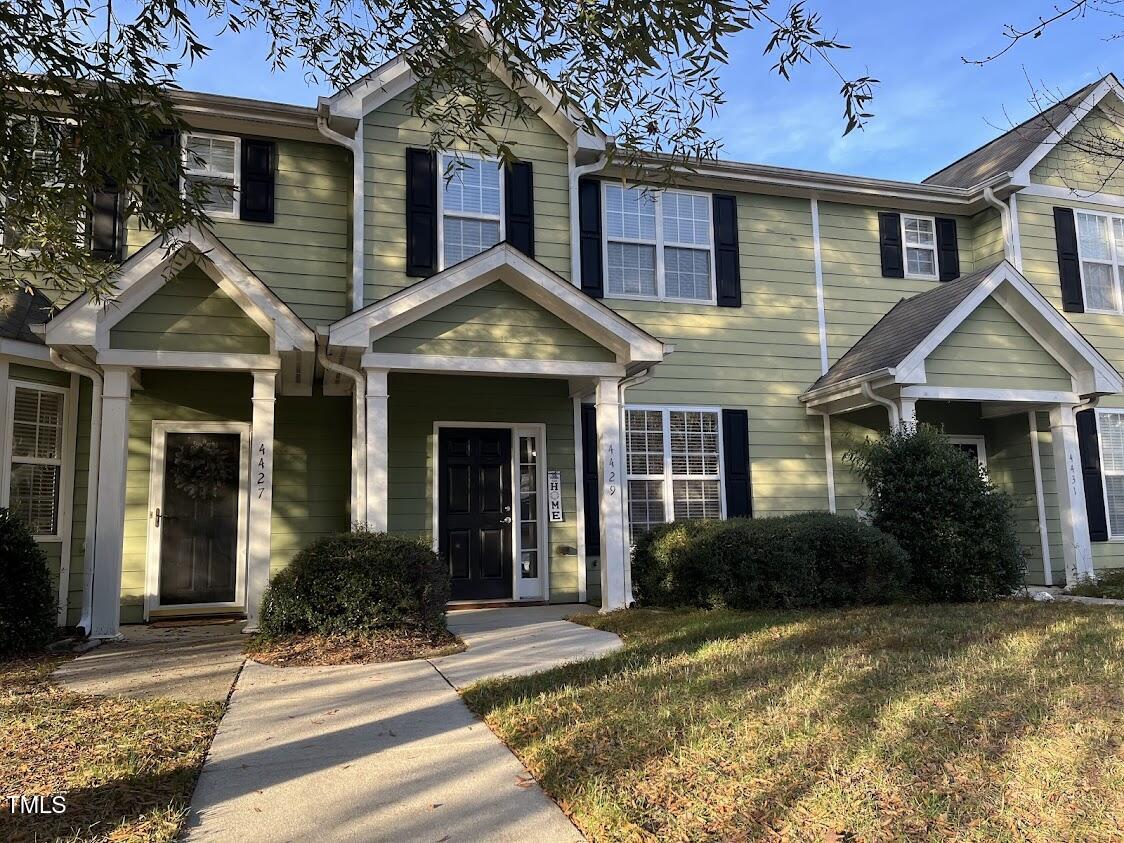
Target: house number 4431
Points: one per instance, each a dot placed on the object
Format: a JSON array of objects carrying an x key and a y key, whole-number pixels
[{"x": 260, "y": 481}]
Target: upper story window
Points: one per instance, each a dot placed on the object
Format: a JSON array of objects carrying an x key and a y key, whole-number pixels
[
  {"x": 34, "y": 456},
  {"x": 919, "y": 237},
  {"x": 1100, "y": 247},
  {"x": 471, "y": 198},
  {"x": 674, "y": 465},
  {"x": 658, "y": 244},
  {"x": 214, "y": 161}
]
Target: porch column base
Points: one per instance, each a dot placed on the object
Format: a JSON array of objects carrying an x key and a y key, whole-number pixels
[
  {"x": 378, "y": 449},
  {"x": 1077, "y": 552},
  {"x": 259, "y": 548},
  {"x": 105, "y": 601},
  {"x": 610, "y": 460}
]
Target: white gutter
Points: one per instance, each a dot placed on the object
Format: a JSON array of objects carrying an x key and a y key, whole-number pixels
[
  {"x": 891, "y": 407},
  {"x": 91, "y": 483},
  {"x": 359, "y": 438},
  {"x": 576, "y": 173},
  {"x": 355, "y": 145}
]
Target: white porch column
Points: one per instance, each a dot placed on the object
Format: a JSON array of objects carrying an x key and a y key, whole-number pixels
[
  {"x": 378, "y": 449},
  {"x": 610, "y": 467},
  {"x": 259, "y": 547},
  {"x": 1076, "y": 550},
  {"x": 908, "y": 411},
  {"x": 105, "y": 612}
]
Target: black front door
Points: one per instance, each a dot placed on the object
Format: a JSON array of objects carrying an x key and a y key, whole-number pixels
[
  {"x": 198, "y": 518},
  {"x": 474, "y": 511}
]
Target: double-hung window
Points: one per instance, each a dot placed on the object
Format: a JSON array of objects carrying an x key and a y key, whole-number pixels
[
  {"x": 659, "y": 244},
  {"x": 35, "y": 456},
  {"x": 471, "y": 199},
  {"x": 919, "y": 239},
  {"x": 1100, "y": 247},
  {"x": 1110, "y": 433},
  {"x": 212, "y": 165},
  {"x": 674, "y": 465},
  {"x": 45, "y": 137}
]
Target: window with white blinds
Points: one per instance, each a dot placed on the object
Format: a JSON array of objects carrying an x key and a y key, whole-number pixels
[
  {"x": 36, "y": 457},
  {"x": 674, "y": 465},
  {"x": 471, "y": 207},
  {"x": 212, "y": 165},
  {"x": 1110, "y": 432}
]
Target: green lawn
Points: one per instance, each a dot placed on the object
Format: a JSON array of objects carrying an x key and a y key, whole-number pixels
[
  {"x": 127, "y": 767},
  {"x": 986, "y": 722}
]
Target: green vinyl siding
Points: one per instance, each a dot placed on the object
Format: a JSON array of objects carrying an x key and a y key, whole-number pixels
[
  {"x": 495, "y": 321},
  {"x": 38, "y": 374},
  {"x": 760, "y": 356},
  {"x": 1074, "y": 167},
  {"x": 991, "y": 350},
  {"x": 304, "y": 255},
  {"x": 987, "y": 238},
  {"x": 417, "y": 402},
  {"x": 391, "y": 129},
  {"x": 189, "y": 313},
  {"x": 855, "y": 293}
]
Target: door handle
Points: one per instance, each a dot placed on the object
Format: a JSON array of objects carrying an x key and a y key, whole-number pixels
[
  {"x": 157, "y": 516},
  {"x": 507, "y": 520}
]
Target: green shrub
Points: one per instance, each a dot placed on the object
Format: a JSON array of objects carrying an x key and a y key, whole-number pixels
[
  {"x": 956, "y": 527},
  {"x": 1108, "y": 584},
  {"x": 805, "y": 560},
  {"x": 357, "y": 582},
  {"x": 27, "y": 601}
]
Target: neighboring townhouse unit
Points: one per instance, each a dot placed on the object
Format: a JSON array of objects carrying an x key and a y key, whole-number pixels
[{"x": 527, "y": 364}]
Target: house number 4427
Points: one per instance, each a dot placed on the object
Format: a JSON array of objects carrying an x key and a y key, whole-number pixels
[{"x": 260, "y": 482}]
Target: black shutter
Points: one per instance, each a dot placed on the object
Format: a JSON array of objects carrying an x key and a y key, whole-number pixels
[
  {"x": 735, "y": 463},
  {"x": 589, "y": 230},
  {"x": 421, "y": 213},
  {"x": 166, "y": 139},
  {"x": 259, "y": 168},
  {"x": 726, "y": 257},
  {"x": 104, "y": 226},
  {"x": 519, "y": 205},
  {"x": 1069, "y": 264},
  {"x": 948, "y": 251},
  {"x": 890, "y": 245},
  {"x": 591, "y": 500},
  {"x": 1091, "y": 474}
]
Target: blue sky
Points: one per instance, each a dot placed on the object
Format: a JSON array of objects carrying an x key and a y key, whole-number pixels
[{"x": 930, "y": 107}]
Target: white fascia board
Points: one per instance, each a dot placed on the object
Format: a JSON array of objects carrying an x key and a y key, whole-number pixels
[
  {"x": 515, "y": 367},
  {"x": 1107, "y": 85},
  {"x": 19, "y": 350},
  {"x": 213, "y": 360}
]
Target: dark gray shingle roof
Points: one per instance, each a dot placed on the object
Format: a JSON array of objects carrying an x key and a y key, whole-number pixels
[
  {"x": 20, "y": 310},
  {"x": 901, "y": 330},
  {"x": 1010, "y": 149}
]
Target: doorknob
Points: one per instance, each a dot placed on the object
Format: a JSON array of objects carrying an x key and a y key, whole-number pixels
[{"x": 507, "y": 520}]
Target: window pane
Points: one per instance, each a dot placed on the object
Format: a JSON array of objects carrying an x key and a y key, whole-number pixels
[
  {"x": 1092, "y": 235},
  {"x": 697, "y": 499},
  {"x": 920, "y": 262},
  {"x": 1110, "y": 427},
  {"x": 694, "y": 443},
  {"x": 215, "y": 195},
  {"x": 919, "y": 232},
  {"x": 528, "y": 507},
  {"x": 631, "y": 270},
  {"x": 37, "y": 424},
  {"x": 1114, "y": 491},
  {"x": 1100, "y": 290},
  {"x": 212, "y": 155},
  {"x": 465, "y": 238},
  {"x": 34, "y": 497},
  {"x": 687, "y": 274},
  {"x": 471, "y": 186},
  {"x": 644, "y": 441},
  {"x": 630, "y": 212},
  {"x": 686, "y": 219},
  {"x": 645, "y": 505}
]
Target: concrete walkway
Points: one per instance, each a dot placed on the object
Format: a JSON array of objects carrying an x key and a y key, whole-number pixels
[
  {"x": 182, "y": 662},
  {"x": 386, "y": 752}
]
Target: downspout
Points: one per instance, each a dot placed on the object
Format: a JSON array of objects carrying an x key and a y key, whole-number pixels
[
  {"x": 576, "y": 173},
  {"x": 91, "y": 483},
  {"x": 355, "y": 145},
  {"x": 891, "y": 407},
  {"x": 1005, "y": 220},
  {"x": 359, "y": 440}
]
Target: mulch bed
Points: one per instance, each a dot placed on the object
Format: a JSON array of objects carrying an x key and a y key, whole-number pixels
[{"x": 357, "y": 648}]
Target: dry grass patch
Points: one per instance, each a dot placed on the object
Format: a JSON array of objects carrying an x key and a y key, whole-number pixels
[
  {"x": 127, "y": 767},
  {"x": 973, "y": 722},
  {"x": 390, "y": 645}
]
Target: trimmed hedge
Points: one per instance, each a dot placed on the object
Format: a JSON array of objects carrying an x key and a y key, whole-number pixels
[
  {"x": 805, "y": 560},
  {"x": 357, "y": 582},
  {"x": 27, "y": 601}
]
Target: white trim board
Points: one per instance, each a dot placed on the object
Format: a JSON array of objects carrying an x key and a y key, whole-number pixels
[{"x": 160, "y": 429}]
